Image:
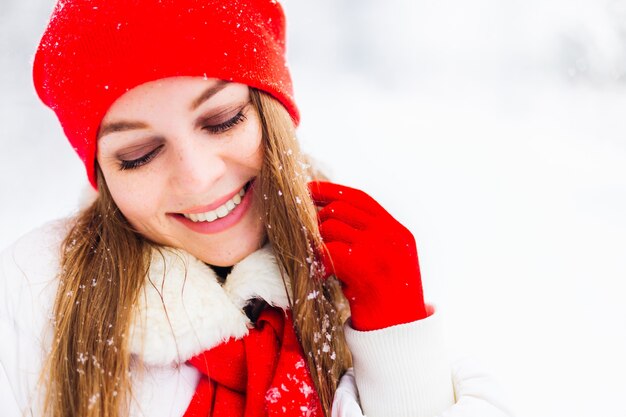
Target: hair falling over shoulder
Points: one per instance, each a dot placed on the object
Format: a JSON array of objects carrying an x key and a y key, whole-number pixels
[
  {"x": 318, "y": 305},
  {"x": 105, "y": 262},
  {"x": 103, "y": 266}
]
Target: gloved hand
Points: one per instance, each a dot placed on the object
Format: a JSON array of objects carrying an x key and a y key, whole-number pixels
[{"x": 372, "y": 254}]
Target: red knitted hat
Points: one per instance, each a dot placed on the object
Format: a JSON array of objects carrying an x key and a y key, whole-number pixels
[{"x": 93, "y": 51}]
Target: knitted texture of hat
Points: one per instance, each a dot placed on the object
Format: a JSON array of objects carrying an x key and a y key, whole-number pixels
[{"x": 93, "y": 51}]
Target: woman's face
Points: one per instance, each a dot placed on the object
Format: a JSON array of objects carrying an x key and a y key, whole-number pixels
[{"x": 180, "y": 157}]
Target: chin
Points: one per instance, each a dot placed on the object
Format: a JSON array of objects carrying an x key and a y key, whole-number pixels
[
  {"x": 234, "y": 251},
  {"x": 228, "y": 257}
]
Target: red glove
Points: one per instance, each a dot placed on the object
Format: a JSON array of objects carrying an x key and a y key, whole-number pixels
[{"x": 373, "y": 256}]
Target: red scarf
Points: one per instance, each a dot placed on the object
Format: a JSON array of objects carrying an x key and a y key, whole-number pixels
[{"x": 262, "y": 375}]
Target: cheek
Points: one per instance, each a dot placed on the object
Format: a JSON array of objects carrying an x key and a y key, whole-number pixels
[{"x": 138, "y": 204}]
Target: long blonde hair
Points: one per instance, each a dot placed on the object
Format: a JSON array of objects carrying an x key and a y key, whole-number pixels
[{"x": 104, "y": 264}]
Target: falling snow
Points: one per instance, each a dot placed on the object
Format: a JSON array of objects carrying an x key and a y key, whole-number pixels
[
  {"x": 93, "y": 399},
  {"x": 588, "y": 30},
  {"x": 273, "y": 395}
]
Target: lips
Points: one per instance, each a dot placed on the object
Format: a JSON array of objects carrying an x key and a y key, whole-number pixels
[
  {"x": 221, "y": 214},
  {"x": 222, "y": 211}
]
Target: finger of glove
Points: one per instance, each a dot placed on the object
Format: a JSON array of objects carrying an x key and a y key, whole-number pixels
[
  {"x": 334, "y": 230},
  {"x": 339, "y": 260},
  {"x": 346, "y": 213},
  {"x": 324, "y": 193}
]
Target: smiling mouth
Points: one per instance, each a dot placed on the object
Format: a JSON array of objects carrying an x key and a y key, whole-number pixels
[{"x": 223, "y": 210}]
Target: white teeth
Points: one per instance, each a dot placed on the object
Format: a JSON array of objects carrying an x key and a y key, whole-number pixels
[{"x": 222, "y": 211}]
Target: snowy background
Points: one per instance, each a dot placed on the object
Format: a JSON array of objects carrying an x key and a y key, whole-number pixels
[{"x": 494, "y": 129}]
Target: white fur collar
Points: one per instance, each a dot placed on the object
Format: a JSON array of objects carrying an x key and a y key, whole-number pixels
[{"x": 184, "y": 310}]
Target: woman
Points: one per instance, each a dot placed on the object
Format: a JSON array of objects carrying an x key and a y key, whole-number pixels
[{"x": 197, "y": 282}]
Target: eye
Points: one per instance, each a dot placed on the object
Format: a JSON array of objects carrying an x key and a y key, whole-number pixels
[
  {"x": 136, "y": 163},
  {"x": 227, "y": 125}
]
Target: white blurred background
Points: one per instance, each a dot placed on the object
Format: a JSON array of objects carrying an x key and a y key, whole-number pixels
[{"x": 494, "y": 129}]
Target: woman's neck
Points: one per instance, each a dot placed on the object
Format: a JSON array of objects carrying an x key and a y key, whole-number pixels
[{"x": 221, "y": 271}]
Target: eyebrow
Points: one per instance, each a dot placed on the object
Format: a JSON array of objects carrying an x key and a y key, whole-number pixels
[
  {"x": 120, "y": 127},
  {"x": 208, "y": 93},
  {"x": 123, "y": 126}
]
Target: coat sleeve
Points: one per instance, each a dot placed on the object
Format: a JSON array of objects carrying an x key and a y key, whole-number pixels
[{"x": 403, "y": 371}]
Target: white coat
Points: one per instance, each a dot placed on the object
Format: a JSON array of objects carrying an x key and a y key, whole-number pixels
[{"x": 398, "y": 371}]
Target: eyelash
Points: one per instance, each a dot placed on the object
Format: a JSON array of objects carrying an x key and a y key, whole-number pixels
[
  {"x": 228, "y": 124},
  {"x": 214, "y": 129},
  {"x": 136, "y": 163}
]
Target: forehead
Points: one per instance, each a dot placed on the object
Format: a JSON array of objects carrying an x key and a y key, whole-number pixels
[{"x": 175, "y": 93}]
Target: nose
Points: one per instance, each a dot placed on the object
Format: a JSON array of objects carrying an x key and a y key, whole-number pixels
[{"x": 196, "y": 167}]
